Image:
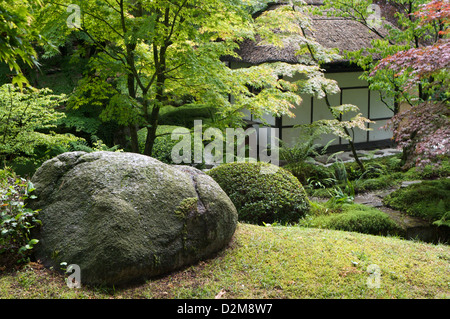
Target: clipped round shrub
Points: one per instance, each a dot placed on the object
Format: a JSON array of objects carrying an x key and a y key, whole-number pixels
[
  {"x": 262, "y": 192},
  {"x": 185, "y": 115}
]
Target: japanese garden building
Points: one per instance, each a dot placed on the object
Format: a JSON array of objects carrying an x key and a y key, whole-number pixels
[{"x": 330, "y": 32}]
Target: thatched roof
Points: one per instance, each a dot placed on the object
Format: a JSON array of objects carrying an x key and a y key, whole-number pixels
[{"x": 330, "y": 32}]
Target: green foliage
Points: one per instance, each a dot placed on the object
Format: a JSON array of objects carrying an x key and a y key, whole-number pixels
[
  {"x": 445, "y": 219},
  {"x": 306, "y": 148},
  {"x": 26, "y": 121},
  {"x": 429, "y": 171},
  {"x": 185, "y": 115},
  {"x": 83, "y": 146},
  {"x": 16, "y": 219},
  {"x": 300, "y": 159},
  {"x": 342, "y": 195},
  {"x": 16, "y": 38},
  {"x": 262, "y": 196},
  {"x": 374, "y": 167},
  {"x": 429, "y": 199},
  {"x": 381, "y": 173},
  {"x": 312, "y": 174},
  {"x": 372, "y": 170},
  {"x": 344, "y": 180},
  {"x": 162, "y": 148},
  {"x": 80, "y": 121},
  {"x": 84, "y": 117},
  {"x": 157, "y": 54},
  {"x": 351, "y": 217},
  {"x": 381, "y": 182}
]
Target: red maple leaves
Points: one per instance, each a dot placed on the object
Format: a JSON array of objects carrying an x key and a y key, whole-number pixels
[
  {"x": 423, "y": 62},
  {"x": 423, "y": 130},
  {"x": 420, "y": 63}
]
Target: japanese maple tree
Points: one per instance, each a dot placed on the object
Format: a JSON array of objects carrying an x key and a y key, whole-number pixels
[
  {"x": 423, "y": 131},
  {"x": 428, "y": 64}
]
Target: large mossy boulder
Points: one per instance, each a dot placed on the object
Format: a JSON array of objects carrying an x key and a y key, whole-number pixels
[
  {"x": 262, "y": 192},
  {"x": 124, "y": 216}
]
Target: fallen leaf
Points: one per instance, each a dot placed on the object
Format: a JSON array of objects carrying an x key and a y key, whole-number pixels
[{"x": 220, "y": 294}]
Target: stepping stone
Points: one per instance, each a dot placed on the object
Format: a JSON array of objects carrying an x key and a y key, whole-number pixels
[{"x": 407, "y": 183}]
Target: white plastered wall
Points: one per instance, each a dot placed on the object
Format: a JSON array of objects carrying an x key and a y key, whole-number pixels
[{"x": 353, "y": 91}]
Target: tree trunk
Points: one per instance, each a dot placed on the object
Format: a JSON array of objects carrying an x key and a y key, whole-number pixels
[
  {"x": 132, "y": 93},
  {"x": 159, "y": 57},
  {"x": 134, "y": 138},
  {"x": 350, "y": 141},
  {"x": 355, "y": 155},
  {"x": 151, "y": 131}
]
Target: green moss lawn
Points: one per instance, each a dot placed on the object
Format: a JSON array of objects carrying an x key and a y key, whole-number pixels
[{"x": 274, "y": 262}]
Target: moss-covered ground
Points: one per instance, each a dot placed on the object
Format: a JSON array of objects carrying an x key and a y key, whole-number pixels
[{"x": 274, "y": 262}]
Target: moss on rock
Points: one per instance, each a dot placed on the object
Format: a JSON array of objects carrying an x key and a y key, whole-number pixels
[{"x": 115, "y": 214}]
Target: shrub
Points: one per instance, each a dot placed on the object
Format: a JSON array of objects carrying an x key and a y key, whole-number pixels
[
  {"x": 374, "y": 169},
  {"x": 308, "y": 173},
  {"x": 276, "y": 196},
  {"x": 381, "y": 182},
  {"x": 429, "y": 171},
  {"x": 306, "y": 148},
  {"x": 429, "y": 199},
  {"x": 16, "y": 219},
  {"x": 185, "y": 115},
  {"x": 355, "y": 218},
  {"x": 28, "y": 118}
]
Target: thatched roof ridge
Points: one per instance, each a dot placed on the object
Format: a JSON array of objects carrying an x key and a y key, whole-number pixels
[{"x": 330, "y": 32}]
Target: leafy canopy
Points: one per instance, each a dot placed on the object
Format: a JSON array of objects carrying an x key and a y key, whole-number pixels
[
  {"x": 17, "y": 37},
  {"x": 27, "y": 118},
  {"x": 150, "y": 54}
]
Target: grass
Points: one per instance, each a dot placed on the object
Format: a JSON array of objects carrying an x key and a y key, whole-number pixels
[
  {"x": 274, "y": 262},
  {"x": 351, "y": 217}
]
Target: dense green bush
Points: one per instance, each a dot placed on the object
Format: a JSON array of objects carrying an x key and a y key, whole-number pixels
[
  {"x": 309, "y": 173},
  {"x": 382, "y": 182},
  {"x": 355, "y": 218},
  {"x": 374, "y": 169},
  {"x": 28, "y": 118},
  {"x": 262, "y": 192},
  {"x": 429, "y": 171},
  {"x": 16, "y": 219},
  {"x": 185, "y": 115},
  {"x": 429, "y": 199}
]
